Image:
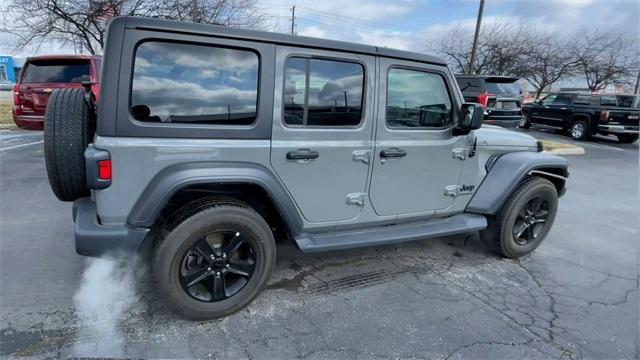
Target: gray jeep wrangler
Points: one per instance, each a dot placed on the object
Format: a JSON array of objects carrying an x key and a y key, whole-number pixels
[{"x": 207, "y": 143}]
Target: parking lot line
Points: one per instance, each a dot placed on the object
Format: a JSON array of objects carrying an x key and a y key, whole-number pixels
[{"x": 22, "y": 145}]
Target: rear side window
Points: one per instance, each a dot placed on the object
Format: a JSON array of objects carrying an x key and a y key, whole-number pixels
[
  {"x": 417, "y": 99},
  {"x": 194, "y": 84},
  {"x": 56, "y": 71},
  {"x": 320, "y": 92}
]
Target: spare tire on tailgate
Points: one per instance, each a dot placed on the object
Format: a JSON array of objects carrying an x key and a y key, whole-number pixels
[{"x": 68, "y": 128}]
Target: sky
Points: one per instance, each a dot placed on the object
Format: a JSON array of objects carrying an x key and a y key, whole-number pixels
[{"x": 410, "y": 24}]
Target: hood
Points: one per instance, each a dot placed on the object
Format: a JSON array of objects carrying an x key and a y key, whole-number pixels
[{"x": 490, "y": 135}]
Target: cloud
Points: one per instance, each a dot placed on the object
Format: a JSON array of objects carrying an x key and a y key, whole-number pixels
[
  {"x": 167, "y": 97},
  {"x": 313, "y": 31}
]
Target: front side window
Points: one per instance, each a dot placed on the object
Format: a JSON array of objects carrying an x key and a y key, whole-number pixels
[
  {"x": 195, "y": 84},
  {"x": 417, "y": 99},
  {"x": 548, "y": 100},
  {"x": 562, "y": 100},
  {"x": 320, "y": 92}
]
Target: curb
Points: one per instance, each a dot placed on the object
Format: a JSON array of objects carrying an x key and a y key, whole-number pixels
[{"x": 567, "y": 151}]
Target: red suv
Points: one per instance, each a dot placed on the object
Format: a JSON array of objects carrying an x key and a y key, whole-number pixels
[{"x": 40, "y": 75}]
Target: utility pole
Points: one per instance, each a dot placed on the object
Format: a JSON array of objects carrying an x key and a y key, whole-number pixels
[
  {"x": 194, "y": 10},
  {"x": 637, "y": 89},
  {"x": 293, "y": 20},
  {"x": 475, "y": 38}
]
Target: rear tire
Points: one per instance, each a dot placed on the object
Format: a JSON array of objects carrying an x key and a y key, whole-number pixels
[
  {"x": 627, "y": 138},
  {"x": 199, "y": 245},
  {"x": 580, "y": 130},
  {"x": 68, "y": 129},
  {"x": 518, "y": 228}
]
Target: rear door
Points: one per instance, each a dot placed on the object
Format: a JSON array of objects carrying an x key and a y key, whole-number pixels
[
  {"x": 322, "y": 130},
  {"x": 41, "y": 76},
  {"x": 416, "y": 158}
]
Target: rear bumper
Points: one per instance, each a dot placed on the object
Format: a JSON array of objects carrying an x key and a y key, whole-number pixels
[
  {"x": 29, "y": 122},
  {"x": 504, "y": 121},
  {"x": 97, "y": 240},
  {"x": 618, "y": 129}
]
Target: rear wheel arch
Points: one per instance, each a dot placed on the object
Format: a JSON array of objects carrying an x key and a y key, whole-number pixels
[{"x": 247, "y": 183}]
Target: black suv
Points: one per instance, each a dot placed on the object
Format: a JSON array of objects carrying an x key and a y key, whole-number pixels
[
  {"x": 585, "y": 115},
  {"x": 499, "y": 95}
]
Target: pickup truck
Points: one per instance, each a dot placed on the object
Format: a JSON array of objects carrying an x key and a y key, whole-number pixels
[{"x": 585, "y": 115}]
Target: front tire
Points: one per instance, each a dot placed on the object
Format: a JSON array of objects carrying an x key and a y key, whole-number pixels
[
  {"x": 580, "y": 130},
  {"x": 525, "y": 121},
  {"x": 627, "y": 138},
  {"x": 524, "y": 220},
  {"x": 215, "y": 261}
]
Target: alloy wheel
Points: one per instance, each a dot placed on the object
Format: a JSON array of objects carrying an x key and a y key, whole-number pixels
[
  {"x": 531, "y": 221},
  {"x": 217, "y": 266},
  {"x": 577, "y": 130}
]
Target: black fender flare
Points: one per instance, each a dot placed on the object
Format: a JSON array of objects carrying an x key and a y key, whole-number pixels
[
  {"x": 508, "y": 171},
  {"x": 592, "y": 125},
  {"x": 173, "y": 178}
]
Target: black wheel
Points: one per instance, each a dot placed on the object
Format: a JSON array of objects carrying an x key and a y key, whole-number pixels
[
  {"x": 580, "y": 130},
  {"x": 627, "y": 138},
  {"x": 525, "y": 121},
  {"x": 68, "y": 128},
  {"x": 215, "y": 261},
  {"x": 524, "y": 220}
]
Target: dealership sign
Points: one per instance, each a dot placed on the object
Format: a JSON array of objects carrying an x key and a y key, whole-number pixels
[{"x": 6, "y": 69}]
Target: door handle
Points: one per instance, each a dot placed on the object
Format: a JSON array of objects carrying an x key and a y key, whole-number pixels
[
  {"x": 392, "y": 153},
  {"x": 303, "y": 154}
]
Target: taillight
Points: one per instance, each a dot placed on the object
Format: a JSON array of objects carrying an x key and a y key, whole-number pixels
[
  {"x": 16, "y": 95},
  {"x": 104, "y": 169},
  {"x": 483, "y": 99},
  {"x": 604, "y": 116},
  {"x": 95, "y": 89}
]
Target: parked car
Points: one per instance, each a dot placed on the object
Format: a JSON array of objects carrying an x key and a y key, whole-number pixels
[
  {"x": 585, "y": 115},
  {"x": 498, "y": 95},
  {"x": 40, "y": 75},
  {"x": 211, "y": 142},
  {"x": 6, "y": 85}
]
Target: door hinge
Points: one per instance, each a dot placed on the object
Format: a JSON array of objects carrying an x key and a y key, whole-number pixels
[
  {"x": 460, "y": 153},
  {"x": 356, "y": 199},
  {"x": 452, "y": 190},
  {"x": 362, "y": 155}
]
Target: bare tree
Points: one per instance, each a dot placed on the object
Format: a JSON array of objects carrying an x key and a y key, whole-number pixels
[
  {"x": 500, "y": 48},
  {"x": 83, "y": 22},
  {"x": 546, "y": 61},
  {"x": 606, "y": 57}
]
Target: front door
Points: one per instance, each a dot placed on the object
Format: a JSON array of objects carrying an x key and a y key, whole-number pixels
[
  {"x": 323, "y": 129},
  {"x": 551, "y": 110},
  {"x": 417, "y": 160}
]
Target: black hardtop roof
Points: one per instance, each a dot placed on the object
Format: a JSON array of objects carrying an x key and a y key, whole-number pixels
[
  {"x": 488, "y": 77},
  {"x": 271, "y": 37}
]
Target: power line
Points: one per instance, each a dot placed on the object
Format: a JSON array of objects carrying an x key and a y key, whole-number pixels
[
  {"x": 353, "y": 19},
  {"x": 307, "y": 20}
]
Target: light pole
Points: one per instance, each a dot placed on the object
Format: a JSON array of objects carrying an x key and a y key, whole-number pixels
[{"x": 475, "y": 38}]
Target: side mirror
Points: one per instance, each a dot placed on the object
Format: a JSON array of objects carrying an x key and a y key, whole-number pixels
[{"x": 471, "y": 117}]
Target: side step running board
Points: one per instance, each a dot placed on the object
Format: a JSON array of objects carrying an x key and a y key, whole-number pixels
[{"x": 456, "y": 224}]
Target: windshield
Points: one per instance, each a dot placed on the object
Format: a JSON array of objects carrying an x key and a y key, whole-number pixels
[
  {"x": 56, "y": 72},
  {"x": 502, "y": 88}
]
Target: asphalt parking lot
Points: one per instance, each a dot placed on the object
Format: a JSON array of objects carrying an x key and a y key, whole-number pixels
[{"x": 575, "y": 297}]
